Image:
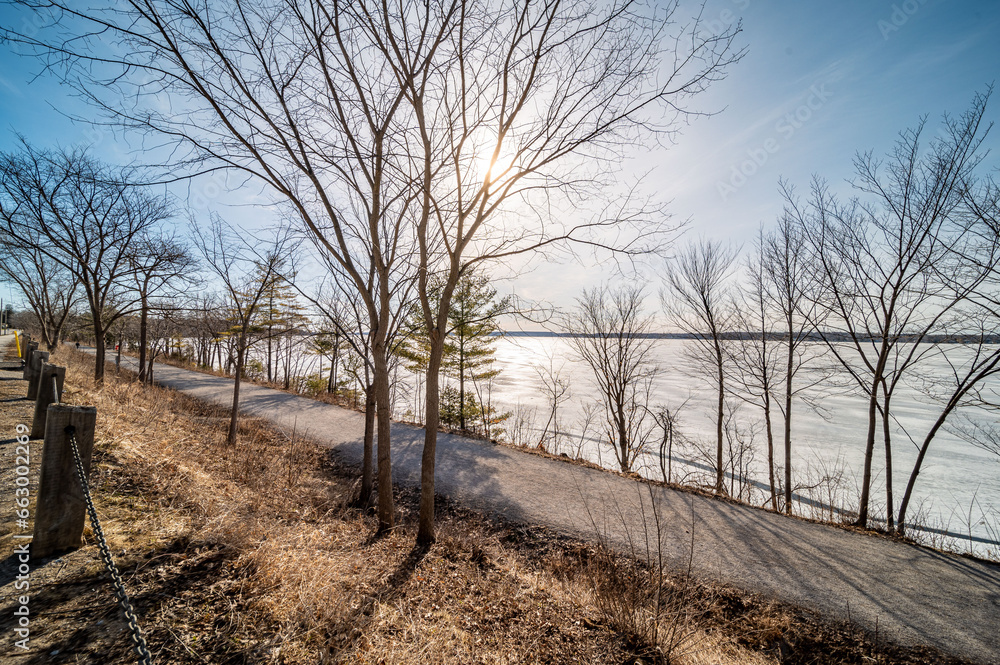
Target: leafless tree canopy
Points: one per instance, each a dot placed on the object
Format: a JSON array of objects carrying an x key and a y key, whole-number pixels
[
  {"x": 895, "y": 265},
  {"x": 162, "y": 265},
  {"x": 84, "y": 217},
  {"x": 698, "y": 300},
  {"x": 50, "y": 289},
  {"x": 405, "y": 136},
  {"x": 612, "y": 336},
  {"x": 246, "y": 274}
]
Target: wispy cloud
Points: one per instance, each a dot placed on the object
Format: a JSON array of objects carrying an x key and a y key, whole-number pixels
[{"x": 13, "y": 89}]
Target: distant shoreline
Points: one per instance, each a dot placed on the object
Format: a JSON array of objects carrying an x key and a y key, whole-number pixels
[{"x": 837, "y": 337}]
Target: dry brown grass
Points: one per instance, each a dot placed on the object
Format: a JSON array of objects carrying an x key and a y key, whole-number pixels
[
  {"x": 254, "y": 554},
  {"x": 309, "y": 565}
]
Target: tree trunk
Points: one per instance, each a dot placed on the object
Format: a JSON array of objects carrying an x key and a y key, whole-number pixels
[
  {"x": 235, "y": 413},
  {"x": 788, "y": 422},
  {"x": 623, "y": 440},
  {"x": 336, "y": 361},
  {"x": 425, "y": 527},
  {"x": 904, "y": 504},
  {"x": 888, "y": 460},
  {"x": 386, "y": 516},
  {"x": 100, "y": 352},
  {"x": 143, "y": 323},
  {"x": 288, "y": 362},
  {"x": 670, "y": 454},
  {"x": 47, "y": 337},
  {"x": 367, "y": 464},
  {"x": 866, "y": 480},
  {"x": 770, "y": 448},
  {"x": 461, "y": 384},
  {"x": 485, "y": 409},
  {"x": 663, "y": 451},
  {"x": 332, "y": 386},
  {"x": 270, "y": 339},
  {"x": 720, "y": 488}
]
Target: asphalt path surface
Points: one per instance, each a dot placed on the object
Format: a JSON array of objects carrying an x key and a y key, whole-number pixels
[{"x": 908, "y": 594}]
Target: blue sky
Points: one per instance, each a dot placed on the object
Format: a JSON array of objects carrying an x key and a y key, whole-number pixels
[
  {"x": 821, "y": 81},
  {"x": 851, "y": 75}
]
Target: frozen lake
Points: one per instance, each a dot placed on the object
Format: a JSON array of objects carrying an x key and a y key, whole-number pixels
[{"x": 958, "y": 487}]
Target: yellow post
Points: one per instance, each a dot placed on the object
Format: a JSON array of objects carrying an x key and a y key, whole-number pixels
[{"x": 17, "y": 341}]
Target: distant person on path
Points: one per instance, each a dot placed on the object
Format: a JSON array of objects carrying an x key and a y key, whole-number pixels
[{"x": 78, "y": 346}]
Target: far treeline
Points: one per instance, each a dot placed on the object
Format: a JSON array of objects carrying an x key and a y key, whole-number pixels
[
  {"x": 957, "y": 338},
  {"x": 413, "y": 151}
]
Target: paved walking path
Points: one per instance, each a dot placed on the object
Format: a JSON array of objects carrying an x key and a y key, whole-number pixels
[{"x": 910, "y": 594}]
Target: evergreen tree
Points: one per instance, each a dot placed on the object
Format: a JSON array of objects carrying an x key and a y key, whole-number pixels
[
  {"x": 328, "y": 345},
  {"x": 473, "y": 333},
  {"x": 280, "y": 316},
  {"x": 469, "y": 349}
]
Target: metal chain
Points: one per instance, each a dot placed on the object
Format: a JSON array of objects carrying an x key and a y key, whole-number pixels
[{"x": 138, "y": 641}]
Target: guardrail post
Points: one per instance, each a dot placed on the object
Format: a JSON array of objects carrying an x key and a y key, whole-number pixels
[
  {"x": 38, "y": 359},
  {"x": 46, "y": 396},
  {"x": 29, "y": 348},
  {"x": 61, "y": 508}
]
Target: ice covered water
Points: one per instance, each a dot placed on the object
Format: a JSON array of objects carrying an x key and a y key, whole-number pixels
[{"x": 958, "y": 487}]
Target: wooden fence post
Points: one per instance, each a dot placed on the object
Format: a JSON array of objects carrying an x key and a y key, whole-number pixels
[
  {"x": 46, "y": 397},
  {"x": 29, "y": 348},
  {"x": 61, "y": 508},
  {"x": 38, "y": 359}
]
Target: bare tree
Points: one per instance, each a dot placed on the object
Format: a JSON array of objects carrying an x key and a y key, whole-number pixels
[
  {"x": 771, "y": 354},
  {"x": 347, "y": 313},
  {"x": 613, "y": 336},
  {"x": 164, "y": 326},
  {"x": 84, "y": 216},
  {"x": 205, "y": 326},
  {"x": 698, "y": 301},
  {"x": 741, "y": 447},
  {"x": 246, "y": 277},
  {"x": 879, "y": 262},
  {"x": 528, "y": 108},
  {"x": 668, "y": 419},
  {"x": 161, "y": 265},
  {"x": 976, "y": 358},
  {"x": 50, "y": 289},
  {"x": 756, "y": 353},
  {"x": 294, "y": 94},
  {"x": 555, "y": 387},
  {"x": 963, "y": 387},
  {"x": 786, "y": 273}
]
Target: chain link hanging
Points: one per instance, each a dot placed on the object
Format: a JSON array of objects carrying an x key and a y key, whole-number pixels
[{"x": 138, "y": 641}]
